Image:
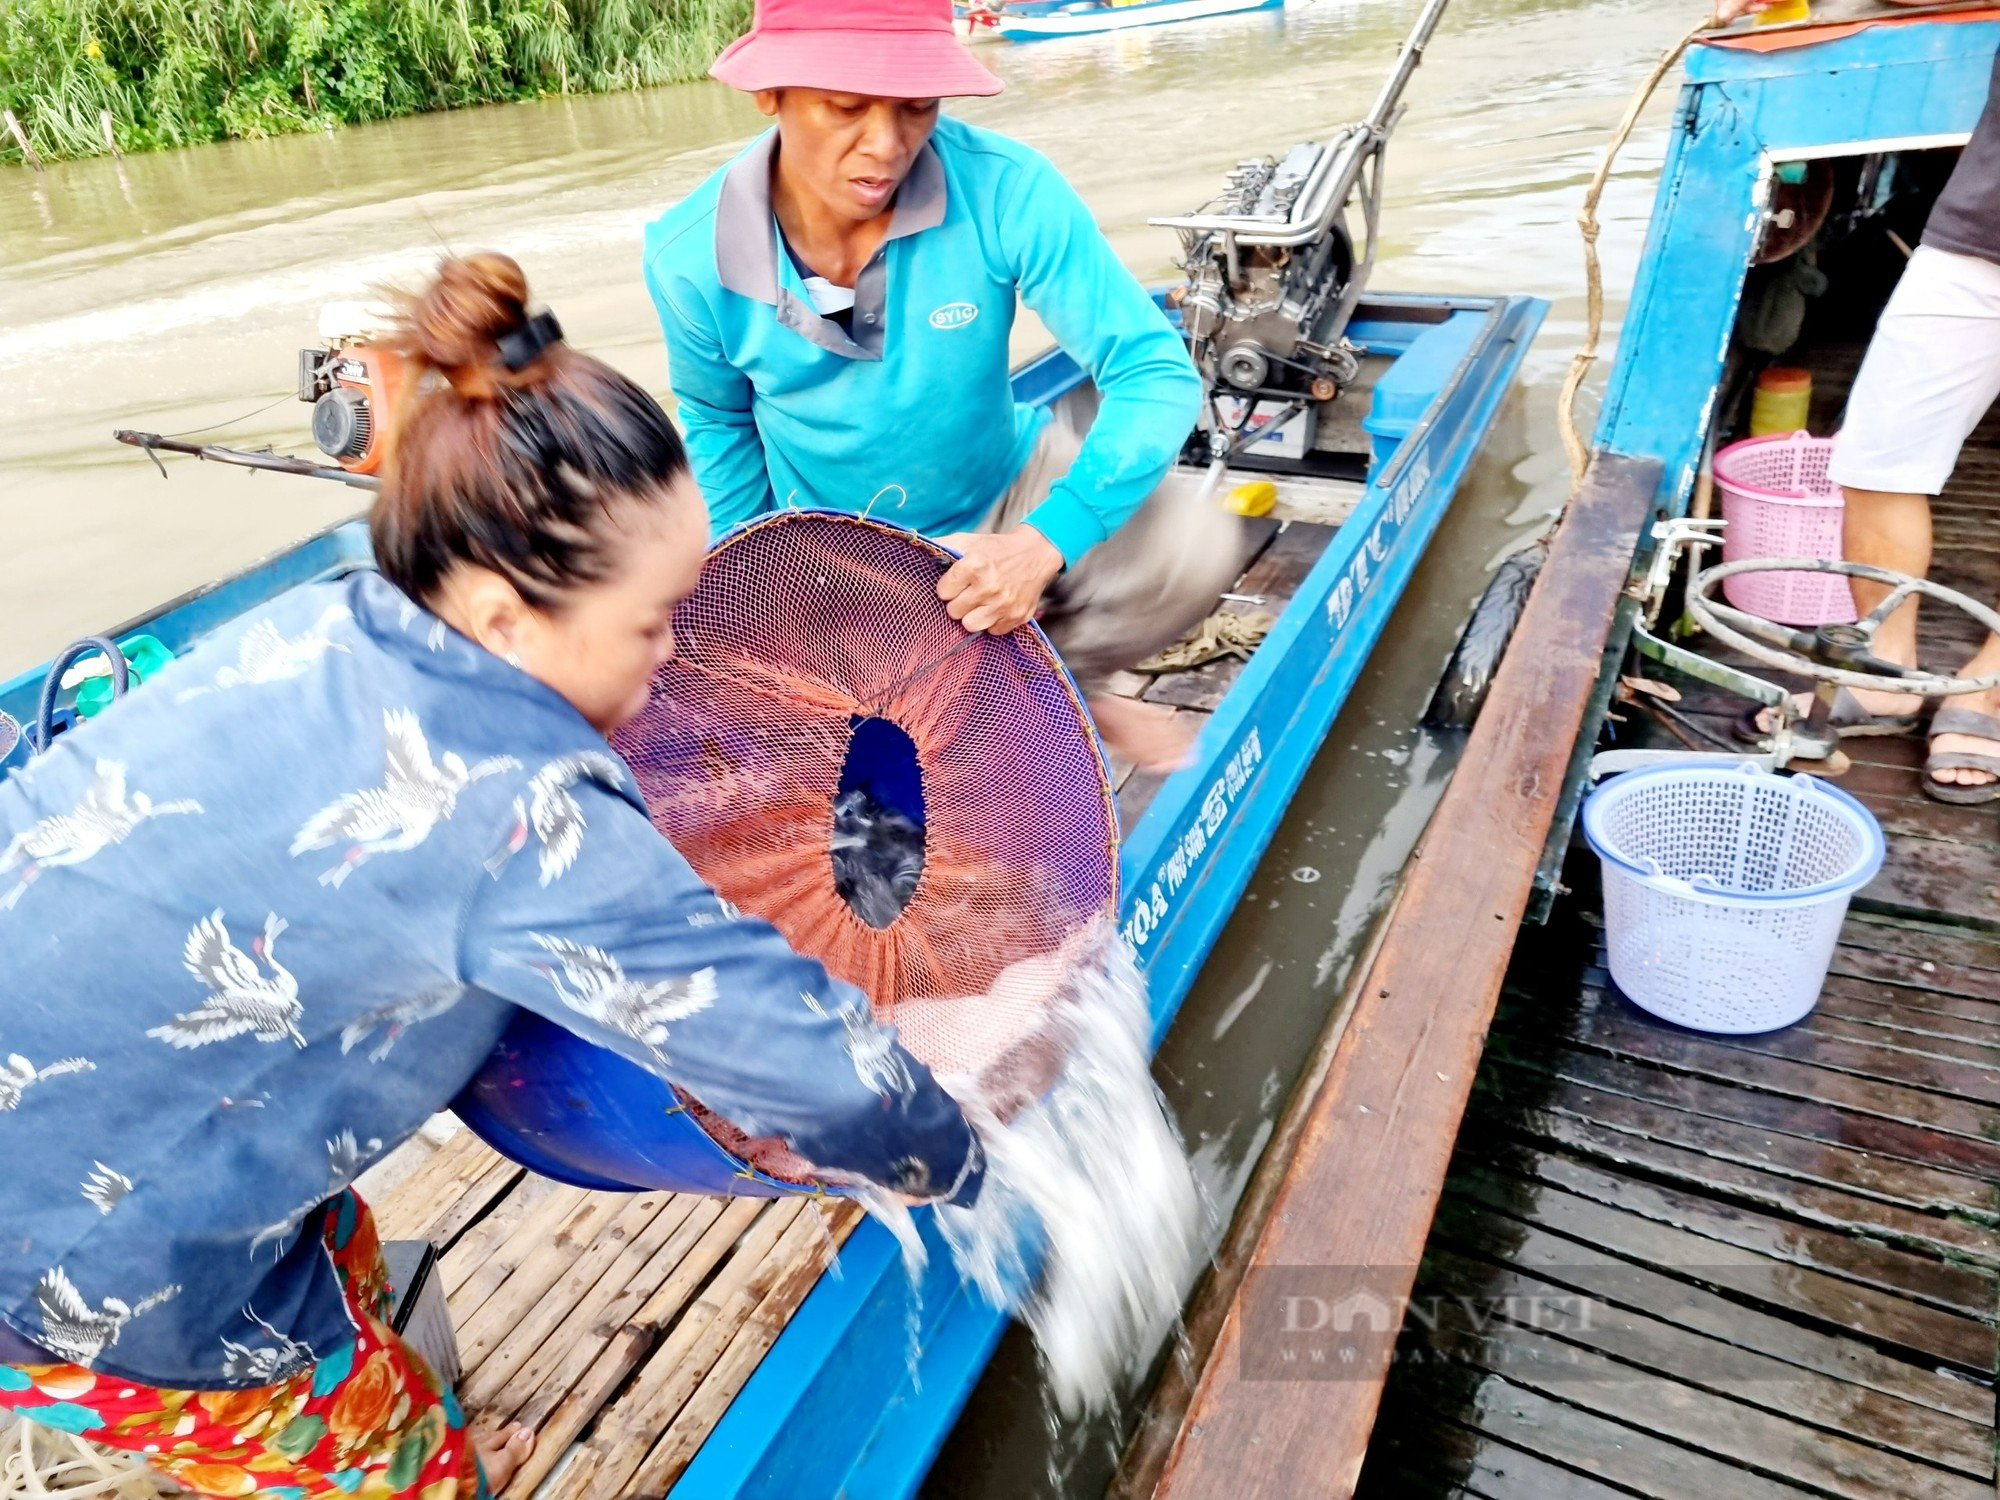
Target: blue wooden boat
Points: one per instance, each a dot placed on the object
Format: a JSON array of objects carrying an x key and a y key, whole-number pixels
[
  {"x": 837, "y": 1406},
  {"x": 1038, "y": 20}
]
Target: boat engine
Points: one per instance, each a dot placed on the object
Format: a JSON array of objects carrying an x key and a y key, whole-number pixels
[
  {"x": 353, "y": 385},
  {"x": 1274, "y": 272}
]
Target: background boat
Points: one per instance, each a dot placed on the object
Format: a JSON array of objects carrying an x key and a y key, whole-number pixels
[{"x": 1037, "y": 20}]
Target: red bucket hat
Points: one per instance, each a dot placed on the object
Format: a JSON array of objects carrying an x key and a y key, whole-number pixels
[{"x": 890, "y": 49}]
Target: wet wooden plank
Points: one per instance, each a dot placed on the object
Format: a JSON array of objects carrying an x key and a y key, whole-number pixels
[
  {"x": 1670, "y": 1353},
  {"x": 1810, "y": 1456},
  {"x": 1973, "y": 1023},
  {"x": 1280, "y": 568},
  {"x": 1372, "y": 1160},
  {"x": 1809, "y": 1118},
  {"x": 1467, "y": 1224},
  {"x": 1902, "y": 1183},
  {"x": 1440, "y": 1457},
  {"x": 1927, "y": 1012},
  {"x": 1945, "y": 950},
  {"x": 1791, "y": 1197},
  {"x": 1609, "y": 1024},
  {"x": 1938, "y": 880},
  {"x": 1662, "y": 1233},
  {"x": 1632, "y": 1457},
  {"x": 1879, "y": 1027},
  {"x": 1872, "y": 1058}
]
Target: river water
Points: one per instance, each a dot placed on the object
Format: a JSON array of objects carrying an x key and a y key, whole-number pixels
[{"x": 172, "y": 291}]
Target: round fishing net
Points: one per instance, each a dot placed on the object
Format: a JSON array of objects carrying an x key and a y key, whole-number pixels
[{"x": 923, "y": 810}]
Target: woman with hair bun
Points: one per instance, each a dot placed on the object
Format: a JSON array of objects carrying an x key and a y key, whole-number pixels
[{"x": 267, "y": 916}]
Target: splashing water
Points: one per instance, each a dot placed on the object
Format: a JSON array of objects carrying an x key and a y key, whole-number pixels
[{"x": 1088, "y": 1227}]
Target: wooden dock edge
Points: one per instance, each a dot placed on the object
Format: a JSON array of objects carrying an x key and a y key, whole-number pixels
[{"x": 1363, "y": 1187}]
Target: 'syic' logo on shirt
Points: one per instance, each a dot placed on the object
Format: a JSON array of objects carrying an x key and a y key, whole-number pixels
[{"x": 954, "y": 315}]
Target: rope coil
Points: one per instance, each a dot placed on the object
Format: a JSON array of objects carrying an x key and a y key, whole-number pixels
[{"x": 1588, "y": 226}]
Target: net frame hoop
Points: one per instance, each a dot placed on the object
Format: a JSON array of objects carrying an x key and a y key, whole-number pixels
[{"x": 1041, "y": 646}]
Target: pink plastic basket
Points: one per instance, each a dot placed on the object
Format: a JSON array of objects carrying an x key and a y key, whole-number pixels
[{"x": 1778, "y": 503}]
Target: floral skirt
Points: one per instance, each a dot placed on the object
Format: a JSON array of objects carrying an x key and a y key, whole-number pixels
[{"x": 370, "y": 1420}]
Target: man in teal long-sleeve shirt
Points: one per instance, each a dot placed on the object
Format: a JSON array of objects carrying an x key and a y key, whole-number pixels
[{"x": 837, "y": 303}]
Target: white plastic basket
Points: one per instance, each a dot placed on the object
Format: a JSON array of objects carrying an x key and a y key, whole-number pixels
[{"x": 1724, "y": 889}]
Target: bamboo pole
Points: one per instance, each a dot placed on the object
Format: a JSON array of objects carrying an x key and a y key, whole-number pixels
[{"x": 21, "y": 139}]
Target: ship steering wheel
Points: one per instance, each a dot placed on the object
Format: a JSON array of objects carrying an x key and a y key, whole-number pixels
[{"x": 1836, "y": 656}]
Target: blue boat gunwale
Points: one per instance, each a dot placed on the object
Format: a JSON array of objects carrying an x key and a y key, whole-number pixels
[{"x": 1252, "y": 753}]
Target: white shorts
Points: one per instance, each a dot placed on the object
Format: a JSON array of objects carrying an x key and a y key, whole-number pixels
[{"x": 1931, "y": 371}]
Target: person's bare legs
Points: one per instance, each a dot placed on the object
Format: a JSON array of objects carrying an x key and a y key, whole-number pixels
[
  {"x": 1150, "y": 735},
  {"x": 1894, "y": 531},
  {"x": 502, "y": 1450}
]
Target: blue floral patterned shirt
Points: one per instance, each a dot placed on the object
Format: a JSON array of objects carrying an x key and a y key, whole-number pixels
[{"x": 268, "y": 913}]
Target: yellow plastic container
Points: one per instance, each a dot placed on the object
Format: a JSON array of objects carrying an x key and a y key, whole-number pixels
[
  {"x": 1783, "y": 11},
  {"x": 1781, "y": 402},
  {"x": 1257, "y": 498}
]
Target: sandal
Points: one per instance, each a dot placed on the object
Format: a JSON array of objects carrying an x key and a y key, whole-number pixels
[
  {"x": 1850, "y": 720},
  {"x": 1963, "y": 721}
]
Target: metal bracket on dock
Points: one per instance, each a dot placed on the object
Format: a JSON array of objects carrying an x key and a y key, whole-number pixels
[{"x": 1670, "y": 538}]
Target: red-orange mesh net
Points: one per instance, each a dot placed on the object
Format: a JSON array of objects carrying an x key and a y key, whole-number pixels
[{"x": 807, "y": 631}]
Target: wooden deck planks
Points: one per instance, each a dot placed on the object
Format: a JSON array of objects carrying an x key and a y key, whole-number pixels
[
  {"x": 618, "y": 1325},
  {"x": 1735, "y": 1210}
]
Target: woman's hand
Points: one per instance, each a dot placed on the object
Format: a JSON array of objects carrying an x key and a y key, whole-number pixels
[
  {"x": 998, "y": 580},
  {"x": 1729, "y": 10}
]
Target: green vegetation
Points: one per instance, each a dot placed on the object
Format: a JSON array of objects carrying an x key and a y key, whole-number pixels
[{"x": 174, "y": 72}]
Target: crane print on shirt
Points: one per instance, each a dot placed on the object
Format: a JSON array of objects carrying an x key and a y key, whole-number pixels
[
  {"x": 267, "y": 1364},
  {"x": 396, "y": 1017},
  {"x": 105, "y": 1188},
  {"x": 18, "y": 1075},
  {"x": 345, "y": 1157},
  {"x": 594, "y": 984},
  {"x": 434, "y": 633},
  {"x": 107, "y": 815},
  {"x": 73, "y": 1328},
  {"x": 416, "y": 795},
  {"x": 264, "y": 655},
  {"x": 553, "y": 814},
  {"x": 872, "y": 1050},
  {"x": 241, "y": 997}
]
